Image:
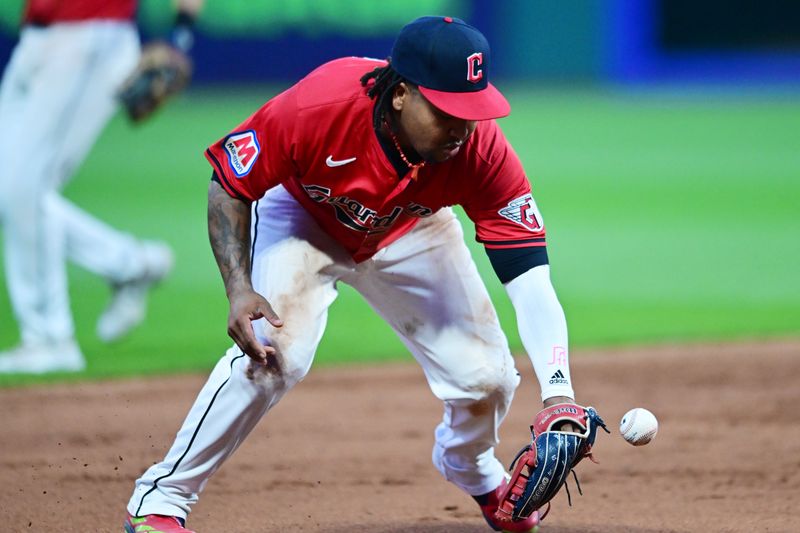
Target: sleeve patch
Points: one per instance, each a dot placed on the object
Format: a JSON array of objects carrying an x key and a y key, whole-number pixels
[
  {"x": 242, "y": 149},
  {"x": 523, "y": 211}
]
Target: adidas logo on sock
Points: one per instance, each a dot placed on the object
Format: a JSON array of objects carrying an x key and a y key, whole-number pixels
[{"x": 558, "y": 378}]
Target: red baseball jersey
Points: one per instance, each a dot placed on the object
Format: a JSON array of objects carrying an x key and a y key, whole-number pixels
[
  {"x": 44, "y": 12},
  {"x": 317, "y": 139}
]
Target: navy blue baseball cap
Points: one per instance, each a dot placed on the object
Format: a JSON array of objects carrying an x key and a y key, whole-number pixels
[{"x": 449, "y": 61}]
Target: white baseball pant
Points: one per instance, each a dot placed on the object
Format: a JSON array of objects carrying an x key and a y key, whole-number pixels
[
  {"x": 57, "y": 94},
  {"x": 425, "y": 285}
]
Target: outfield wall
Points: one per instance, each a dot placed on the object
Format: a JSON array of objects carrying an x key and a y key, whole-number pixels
[{"x": 629, "y": 41}]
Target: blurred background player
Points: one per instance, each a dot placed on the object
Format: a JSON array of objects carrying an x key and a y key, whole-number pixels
[{"x": 58, "y": 92}]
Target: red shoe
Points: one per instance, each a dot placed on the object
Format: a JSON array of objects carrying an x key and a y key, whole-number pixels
[
  {"x": 154, "y": 523},
  {"x": 529, "y": 525}
]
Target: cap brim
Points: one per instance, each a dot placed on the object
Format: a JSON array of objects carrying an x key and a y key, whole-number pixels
[{"x": 485, "y": 104}]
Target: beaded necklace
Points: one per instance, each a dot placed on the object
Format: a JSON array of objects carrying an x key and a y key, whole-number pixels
[{"x": 414, "y": 168}]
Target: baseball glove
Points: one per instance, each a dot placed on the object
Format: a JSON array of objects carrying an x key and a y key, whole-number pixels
[
  {"x": 162, "y": 72},
  {"x": 543, "y": 465}
]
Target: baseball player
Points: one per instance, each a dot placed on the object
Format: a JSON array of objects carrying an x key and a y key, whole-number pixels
[
  {"x": 348, "y": 176},
  {"x": 58, "y": 92}
]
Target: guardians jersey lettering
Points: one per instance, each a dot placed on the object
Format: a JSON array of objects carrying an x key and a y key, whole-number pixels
[
  {"x": 416, "y": 210},
  {"x": 357, "y": 217},
  {"x": 351, "y": 213},
  {"x": 364, "y": 204}
]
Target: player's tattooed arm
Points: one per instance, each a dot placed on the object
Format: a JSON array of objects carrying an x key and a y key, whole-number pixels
[{"x": 229, "y": 233}]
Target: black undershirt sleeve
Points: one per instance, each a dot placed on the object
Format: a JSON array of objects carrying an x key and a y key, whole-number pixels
[{"x": 508, "y": 263}]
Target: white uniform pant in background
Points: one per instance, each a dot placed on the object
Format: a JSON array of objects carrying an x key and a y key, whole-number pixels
[
  {"x": 425, "y": 285},
  {"x": 57, "y": 94}
]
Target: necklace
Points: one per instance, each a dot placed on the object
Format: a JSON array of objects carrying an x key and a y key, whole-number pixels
[{"x": 414, "y": 168}]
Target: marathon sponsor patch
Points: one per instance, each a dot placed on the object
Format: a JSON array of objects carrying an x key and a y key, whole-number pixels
[
  {"x": 242, "y": 149},
  {"x": 523, "y": 211}
]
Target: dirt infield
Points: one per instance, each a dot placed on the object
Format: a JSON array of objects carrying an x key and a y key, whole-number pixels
[{"x": 348, "y": 450}]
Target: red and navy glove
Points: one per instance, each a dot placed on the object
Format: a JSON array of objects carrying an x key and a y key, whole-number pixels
[{"x": 542, "y": 467}]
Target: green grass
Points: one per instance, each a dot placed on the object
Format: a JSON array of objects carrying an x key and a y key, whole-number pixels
[{"x": 670, "y": 218}]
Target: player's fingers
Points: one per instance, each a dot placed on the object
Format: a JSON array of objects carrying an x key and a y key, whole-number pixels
[
  {"x": 254, "y": 351},
  {"x": 568, "y": 427},
  {"x": 241, "y": 331},
  {"x": 270, "y": 314}
]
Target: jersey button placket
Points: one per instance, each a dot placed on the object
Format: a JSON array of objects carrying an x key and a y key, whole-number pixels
[{"x": 371, "y": 238}]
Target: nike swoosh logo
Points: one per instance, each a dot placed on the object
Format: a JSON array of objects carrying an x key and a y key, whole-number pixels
[{"x": 332, "y": 163}]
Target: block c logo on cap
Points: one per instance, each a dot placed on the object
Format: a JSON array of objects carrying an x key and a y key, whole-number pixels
[
  {"x": 242, "y": 149},
  {"x": 474, "y": 74}
]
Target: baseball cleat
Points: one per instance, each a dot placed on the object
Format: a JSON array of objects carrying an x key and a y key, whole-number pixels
[
  {"x": 129, "y": 301},
  {"x": 154, "y": 523},
  {"x": 489, "y": 508},
  {"x": 30, "y": 358}
]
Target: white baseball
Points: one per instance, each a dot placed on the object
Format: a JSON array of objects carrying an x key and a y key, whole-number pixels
[{"x": 638, "y": 426}]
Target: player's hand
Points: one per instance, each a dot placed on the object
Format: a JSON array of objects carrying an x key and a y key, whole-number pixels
[
  {"x": 246, "y": 307},
  {"x": 565, "y": 426}
]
